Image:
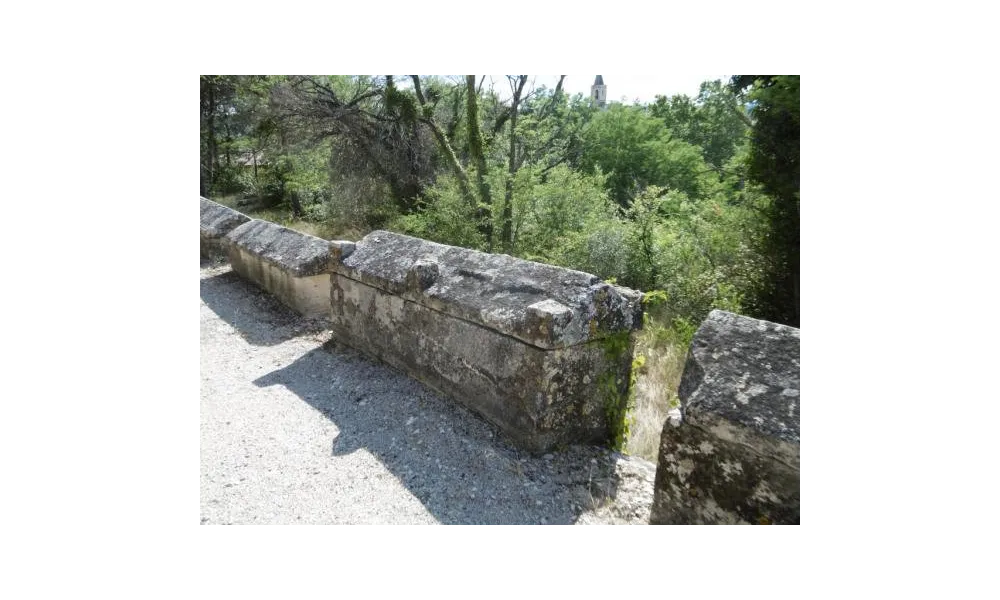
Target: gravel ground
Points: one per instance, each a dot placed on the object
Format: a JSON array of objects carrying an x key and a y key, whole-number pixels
[{"x": 297, "y": 428}]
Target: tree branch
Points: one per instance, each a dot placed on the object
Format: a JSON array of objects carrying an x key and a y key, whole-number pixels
[
  {"x": 362, "y": 97},
  {"x": 502, "y": 118},
  {"x": 416, "y": 88},
  {"x": 743, "y": 117},
  {"x": 561, "y": 160},
  {"x": 442, "y": 140}
]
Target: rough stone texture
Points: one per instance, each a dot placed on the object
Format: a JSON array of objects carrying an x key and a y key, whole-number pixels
[
  {"x": 540, "y": 398},
  {"x": 298, "y": 253},
  {"x": 492, "y": 332},
  {"x": 734, "y": 458},
  {"x": 545, "y": 306},
  {"x": 289, "y": 264},
  {"x": 216, "y": 221},
  {"x": 339, "y": 250}
]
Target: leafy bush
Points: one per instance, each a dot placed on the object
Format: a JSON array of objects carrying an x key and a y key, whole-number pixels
[
  {"x": 444, "y": 216},
  {"x": 360, "y": 202}
]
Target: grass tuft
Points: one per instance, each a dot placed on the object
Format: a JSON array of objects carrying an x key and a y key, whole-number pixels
[{"x": 656, "y": 385}]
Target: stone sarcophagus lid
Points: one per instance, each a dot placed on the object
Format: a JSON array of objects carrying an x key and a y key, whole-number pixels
[
  {"x": 543, "y": 352},
  {"x": 217, "y": 221},
  {"x": 290, "y": 264}
]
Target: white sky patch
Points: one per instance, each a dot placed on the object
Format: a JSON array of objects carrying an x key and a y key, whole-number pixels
[{"x": 621, "y": 88}]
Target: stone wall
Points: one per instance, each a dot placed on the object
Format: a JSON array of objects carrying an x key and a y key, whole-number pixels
[
  {"x": 734, "y": 456},
  {"x": 291, "y": 265},
  {"x": 540, "y": 351},
  {"x": 216, "y": 221},
  {"x": 543, "y": 352}
]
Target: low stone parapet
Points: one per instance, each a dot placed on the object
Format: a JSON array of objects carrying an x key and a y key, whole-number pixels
[
  {"x": 543, "y": 352},
  {"x": 217, "y": 221},
  {"x": 734, "y": 456},
  {"x": 290, "y": 264}
]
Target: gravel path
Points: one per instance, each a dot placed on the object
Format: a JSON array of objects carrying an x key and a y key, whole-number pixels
[{"x": 297, "y": 428}]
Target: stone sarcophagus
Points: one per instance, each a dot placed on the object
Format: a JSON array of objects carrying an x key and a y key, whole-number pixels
[
  {"x": 289, "y": 264},
  {"x": 734, "y": 457},
  {"x": 217, "y": 221},
  {"x": 543, "y": 352}
]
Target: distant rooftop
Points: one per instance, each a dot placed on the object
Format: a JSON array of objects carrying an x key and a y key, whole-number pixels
[{"x": 599, "y": 80}]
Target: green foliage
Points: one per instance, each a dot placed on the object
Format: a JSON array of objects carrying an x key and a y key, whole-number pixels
[
  {"x": 618, "y": 406},
  {"x": 683, "y": 331},
  {"x": 680, "y": 114},
  {"x": 232, "y": 181},
  {"x": 645, "y": 239},
  {"x": 551, "y": 128},
  {"x": 653, "y": 302},
  {"x": 304, "y": 172},
  {"x": 674, "y": 197},
  {"x": 359, "y": 202},
  {"x": 599, "y": 248},
  {"x": 774, "y": 157},
  {"x": 713, "y": 121},
  {"x": 774, "y": 163},
  {"x": 637, "y": 151},
  {"x": 444, "y": 217},
  {"x": 654, "y": 298},
  {"x": 548, "y": 212},
  {"x": 566, "y": 218},
  {"x": 403, "y": 103}
]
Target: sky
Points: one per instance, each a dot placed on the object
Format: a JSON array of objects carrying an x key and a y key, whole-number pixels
[
  {"x": 621, "y": 88},
  {"x": 643, "y": 87}
]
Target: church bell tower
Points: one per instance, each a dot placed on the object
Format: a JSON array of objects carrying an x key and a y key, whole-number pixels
[{"x": 599, "y": 93}]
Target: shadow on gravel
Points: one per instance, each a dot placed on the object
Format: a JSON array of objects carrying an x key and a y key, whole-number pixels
[
  {"x": 451, "y": 460},
  {"x": 257, "y": 315}
]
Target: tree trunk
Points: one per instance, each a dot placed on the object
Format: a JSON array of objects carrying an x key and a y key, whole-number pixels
[
  {"x": 456, "y": 108},
  {"x": 456, "y": 167},
  {"x": 293, "y": 199},
  {"x": 211, "y": 132},
  {"x": 483, "y": 213},
  {"x": 507, "y": 232},
  {"x": 450, "y": 156}
]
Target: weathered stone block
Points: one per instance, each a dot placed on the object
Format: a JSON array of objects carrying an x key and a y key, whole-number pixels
[
  {"x": 734, "y": 457},
  {"x": 216, "y": 221},
  {"x": 339, "y": 250},
  {"x": 290, "y": 264},
  {"x": 535, "y": 349}
]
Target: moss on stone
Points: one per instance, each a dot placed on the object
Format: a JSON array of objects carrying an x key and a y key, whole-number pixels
[{"x": 618, "y": 405}]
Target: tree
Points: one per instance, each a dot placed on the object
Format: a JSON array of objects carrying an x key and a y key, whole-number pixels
[
  {"x": 216, "y": 92},
  {"x": 553, "y": 126},
  {"x": 424, "y": 113},
  {"x": 637, "y": 150},
  {"x": 478, "y": 156},
  {"x": 506, "y": 219},
  {"x": 774, "y": 163},
  {"x": 494, "y": 140},
  {"x": 714, "y": 121},
  {"x": 680, "y": 114},
  {"x": 364, "y": 115}
]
